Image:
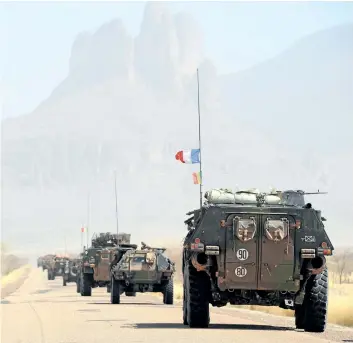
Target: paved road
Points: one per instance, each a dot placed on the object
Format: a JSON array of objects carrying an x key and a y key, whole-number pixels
[{"x": 44, "y": 311}]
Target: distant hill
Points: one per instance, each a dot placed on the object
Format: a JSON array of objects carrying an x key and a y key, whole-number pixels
[
  {"x": 302, "y": 96},
  {"x": 283, "y": 123}
]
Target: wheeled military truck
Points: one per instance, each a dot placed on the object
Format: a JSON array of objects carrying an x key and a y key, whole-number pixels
[
  {"x": 46, "y": 259},
  {"x": 70, "y": 270},
  {"x": 55, "y": 266},
  {"x": 256, "y": 248},
  {"x": 142, "y": 270},
  {"x": 95, "y": 266}
]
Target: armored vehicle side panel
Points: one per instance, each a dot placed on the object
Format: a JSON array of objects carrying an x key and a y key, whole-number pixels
[{"x": 102, "y": 265}]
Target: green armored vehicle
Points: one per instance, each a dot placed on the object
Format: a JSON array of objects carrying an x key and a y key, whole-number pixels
[
  {"x": 256, "y": 248},
  {"x": 141, "y": 270},
  {"x": 45, "y": 261},
  {"x": 56, "y": 266},
  {"x": 95, "y": 266},
  {"x": 70, "y": 270}
]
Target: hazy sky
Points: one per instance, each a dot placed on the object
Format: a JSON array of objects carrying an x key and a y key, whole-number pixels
[{"x": 36, "y": 38}]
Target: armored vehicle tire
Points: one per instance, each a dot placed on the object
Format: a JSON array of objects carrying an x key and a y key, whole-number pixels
[
  {"x": 299, "y": 316},
  {"x": 64, "y": 282},
  {"x": 115, "y": 292},
  {"x": 197, "y": 299},
  {"x": 86, "y": 287},
  {"x": 108, "y": 288},
  {"x": 78, "y": 289},
  {"x": 315, "y": 302},
  {"x": 185, "y": 313},
  {"x": 168, "y": 294},
  {"x": 130, "y": 294}
]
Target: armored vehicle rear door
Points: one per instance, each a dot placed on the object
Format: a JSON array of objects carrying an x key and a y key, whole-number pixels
[
  {"x": 276, "y": 252},
  {"x": 102, "y": 266},
  {"x": 259, "y": 251},
  {"x": 241, "y": 252}
]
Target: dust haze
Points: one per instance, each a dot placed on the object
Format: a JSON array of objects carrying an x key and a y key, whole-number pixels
[{"x": 129, "y": 103}]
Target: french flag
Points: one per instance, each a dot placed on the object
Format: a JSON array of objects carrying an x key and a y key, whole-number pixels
[{"x": 188, "y": 156}]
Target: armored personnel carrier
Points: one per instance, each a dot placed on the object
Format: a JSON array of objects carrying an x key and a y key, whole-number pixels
[
  {"x": 55, "y": 266},
  {"x": 256, "y": 248},
  {"x": 46, "y": 261},
  {"x": 70, "y": 270},
  {"x": 95, "y": 266},
  {"x": 141, "y": 270}
]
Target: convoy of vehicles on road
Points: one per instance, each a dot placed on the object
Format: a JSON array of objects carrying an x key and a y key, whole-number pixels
[{"x": 242, "y": 248}]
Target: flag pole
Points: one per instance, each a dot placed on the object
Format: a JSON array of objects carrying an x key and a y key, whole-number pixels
[
  {"x": 88, "y": 218},
  {"x": 198, "y": 108},
  {"x": 82, "y": 233},
  {"x": 116, "y": 205}
]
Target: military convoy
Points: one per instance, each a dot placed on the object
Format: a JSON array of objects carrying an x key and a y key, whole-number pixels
[
  {"x": 256, "y": 248},
  {"x": 242, "y": 248},
  {"x": 141, "y": 270}
]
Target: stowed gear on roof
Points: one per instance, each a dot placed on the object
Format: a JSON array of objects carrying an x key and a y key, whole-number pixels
[{"x": 254, "y": 196}]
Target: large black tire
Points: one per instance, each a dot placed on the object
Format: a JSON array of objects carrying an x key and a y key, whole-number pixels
[
  {"x": 115, "y": 292},
  {"x": 299, "y": 316},
  {"x": 315, "y": 302},
  {"x": 108, "y": 288},
  {"x": 130, "y": 294},
  {"x": 197, "y": 297},
  {"x": 51, "y": 275},
  {"x": 86, "y": 286},
  {"x": 168, "y": 294},
  {"x": 64, "y": 281},
  {"x": 185, "y": 312}
]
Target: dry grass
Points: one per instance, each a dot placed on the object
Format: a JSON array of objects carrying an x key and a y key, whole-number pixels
[{"x": 14, "y": 276}]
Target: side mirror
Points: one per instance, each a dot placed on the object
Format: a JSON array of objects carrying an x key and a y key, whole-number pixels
[{"x": 323, "y": 219}]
